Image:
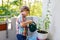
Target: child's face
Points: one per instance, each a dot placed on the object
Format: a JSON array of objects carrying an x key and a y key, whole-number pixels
[{"x": 25, "y": 13}]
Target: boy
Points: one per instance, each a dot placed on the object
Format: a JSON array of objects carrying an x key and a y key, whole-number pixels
[{"x": 21, "y": 23}]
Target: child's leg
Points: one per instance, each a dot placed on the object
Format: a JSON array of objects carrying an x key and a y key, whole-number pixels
[
  {"x": 24, "y": 37},
  {"x": 21, "y": 37}
]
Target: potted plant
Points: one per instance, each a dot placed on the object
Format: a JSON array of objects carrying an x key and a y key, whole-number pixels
[{"x": 42, "y": 34}]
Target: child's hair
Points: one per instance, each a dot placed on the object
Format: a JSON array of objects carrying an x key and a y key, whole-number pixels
[{"x": 25, "y": 8}]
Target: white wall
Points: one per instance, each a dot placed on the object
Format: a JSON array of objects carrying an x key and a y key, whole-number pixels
[
  {"x": 2, "y": 35},
  {"x": 55, "y": 26},
  {"x": 56, "y": 13},
  {"x": 45, "y": 2},
  {"x": 11, "y": 33},
  {"x": 54, "y": 33}
]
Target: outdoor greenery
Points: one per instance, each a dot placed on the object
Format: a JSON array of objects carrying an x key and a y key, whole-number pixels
[
  {"x": 36, "y": 9},
  {"x": 45, "y": 23},
  {"x": 9, "y": 9},
  {"x": 12, "y": 8}
]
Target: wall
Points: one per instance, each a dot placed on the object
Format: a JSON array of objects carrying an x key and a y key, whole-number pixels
[
  {"x": 56, "y": 13},
  {"x": 11, "y": 33},
  {"x": 51, "y": 8},
  {"x": 54, "y": 30}
]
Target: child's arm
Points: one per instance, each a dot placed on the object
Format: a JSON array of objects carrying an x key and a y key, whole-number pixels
[{"x": 23, "y": 24}]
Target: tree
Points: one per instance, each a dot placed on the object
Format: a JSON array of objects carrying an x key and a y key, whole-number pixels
[
  {"x": 36, "y": 9},
  {"x": 9, "y": 10}
]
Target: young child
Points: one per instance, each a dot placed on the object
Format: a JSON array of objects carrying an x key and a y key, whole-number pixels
[{"x": 21, "y": 23}]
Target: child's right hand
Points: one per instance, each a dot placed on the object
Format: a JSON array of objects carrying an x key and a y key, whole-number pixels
[
  {"x": 29, "y": 21},
  {"x": 25, "y": 23}
]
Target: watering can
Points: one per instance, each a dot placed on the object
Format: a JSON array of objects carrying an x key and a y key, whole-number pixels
[{"x": 32, "y": 27}]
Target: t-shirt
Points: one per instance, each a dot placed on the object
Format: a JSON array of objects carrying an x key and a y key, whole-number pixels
[{"x": 19, "y": 28}]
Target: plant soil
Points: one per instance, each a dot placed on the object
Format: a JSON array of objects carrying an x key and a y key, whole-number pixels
[{"x": 41, "y": 31}]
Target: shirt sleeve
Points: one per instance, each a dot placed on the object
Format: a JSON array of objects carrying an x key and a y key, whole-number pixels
[
  {"x": 18, "y": 26},
  {"x": 18, "y": 21}
]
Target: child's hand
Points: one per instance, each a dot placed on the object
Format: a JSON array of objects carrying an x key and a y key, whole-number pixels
[
  {"x": 29, "y": 21},
  {"x": 25, "y": 23}
]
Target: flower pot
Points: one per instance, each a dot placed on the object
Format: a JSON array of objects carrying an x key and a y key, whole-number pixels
[
  {"x": 3, "y": 26},
  {"x": 42, "y": 34}
]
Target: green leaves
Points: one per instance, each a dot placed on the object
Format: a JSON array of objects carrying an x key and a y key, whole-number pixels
[
  {"x": 15, "y": 3},
  {"x": 36, "y": 9},
  {"x": 11, "y": 8},
  {"x": 47, "y": 21},
  {"x": 47, "y": 24},
  {"x": 44, "y": 23}
]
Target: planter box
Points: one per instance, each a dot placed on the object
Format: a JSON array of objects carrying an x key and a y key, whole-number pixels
[{"x": 3, "y": 26}]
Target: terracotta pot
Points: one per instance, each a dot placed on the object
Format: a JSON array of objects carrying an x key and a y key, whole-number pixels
[{"x": 3, "y": 26}]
